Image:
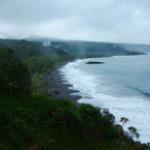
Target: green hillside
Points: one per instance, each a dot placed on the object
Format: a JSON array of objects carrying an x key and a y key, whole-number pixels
[{"x": 30, "y": 120}]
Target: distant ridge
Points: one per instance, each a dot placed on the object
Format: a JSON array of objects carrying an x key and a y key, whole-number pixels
[
  {"x": 137, "y": 47},
  {"x": 42, "y": 38},
  {"x": 79, "y": 49},
  {"x": 145, "y": 48}
]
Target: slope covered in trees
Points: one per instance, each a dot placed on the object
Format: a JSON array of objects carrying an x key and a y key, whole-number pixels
[
  {"x": 15, "y": 78},
  {"x": 32, "y": 121},
  {"x": 43, "y": 123}
]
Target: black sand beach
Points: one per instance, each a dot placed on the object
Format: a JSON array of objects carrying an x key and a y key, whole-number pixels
[{"x": 54, "y": 86}]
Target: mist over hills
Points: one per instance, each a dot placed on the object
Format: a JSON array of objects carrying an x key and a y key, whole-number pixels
[
  {"x": 92, "y": 49},
  {"x": 145, "y": 48},
  {"x": 137, "y": 47},
  {"x": 76, "y": 49}
]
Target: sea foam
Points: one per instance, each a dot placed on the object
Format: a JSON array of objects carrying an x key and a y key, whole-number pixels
[{"x": 90, "y": 87}]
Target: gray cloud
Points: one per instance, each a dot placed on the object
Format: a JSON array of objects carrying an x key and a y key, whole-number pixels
[{"x": 100, "y": 20}]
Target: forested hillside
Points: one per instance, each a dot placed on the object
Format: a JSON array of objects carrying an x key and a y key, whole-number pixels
[{"x": 31, "y": 120}]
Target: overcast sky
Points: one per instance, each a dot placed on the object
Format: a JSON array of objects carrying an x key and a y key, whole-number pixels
[{"x": 96, "y": 20}]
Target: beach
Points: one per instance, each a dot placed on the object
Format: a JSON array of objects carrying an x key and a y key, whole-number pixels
[{"x": 55, "y": 86}]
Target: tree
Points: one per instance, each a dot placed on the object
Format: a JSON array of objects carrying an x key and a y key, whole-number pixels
[
  {"x": 133, "y": 132},
  {"x": 124, "y": 120},
  {"x": 14, "y": 75}
]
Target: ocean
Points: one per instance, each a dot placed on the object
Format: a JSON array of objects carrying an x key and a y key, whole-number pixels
[{"x": 121, "y": 84}]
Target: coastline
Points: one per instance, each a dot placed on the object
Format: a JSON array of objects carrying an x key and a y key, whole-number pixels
[
  {"x": 54, "y": 86},
  {"x": 57, "y": 89}
]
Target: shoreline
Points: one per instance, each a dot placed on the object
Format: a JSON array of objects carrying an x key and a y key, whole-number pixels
[
  {"x": 59, "y": 90},
  {"x": 54, "y": 86}
]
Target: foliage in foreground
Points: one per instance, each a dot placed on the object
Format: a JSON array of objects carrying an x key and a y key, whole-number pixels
[
  {"x": 27, "y": 76},
  {"x": 14, "y": 75},
  {"x": 42, "y": 123}
]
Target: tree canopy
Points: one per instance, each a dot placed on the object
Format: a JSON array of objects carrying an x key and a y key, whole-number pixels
[{"x": 14, "y": 75}]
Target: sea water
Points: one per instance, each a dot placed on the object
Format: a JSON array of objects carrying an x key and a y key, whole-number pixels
[{"x": 121, "y": 84}]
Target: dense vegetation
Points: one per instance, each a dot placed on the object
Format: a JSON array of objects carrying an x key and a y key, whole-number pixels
[
  {"x": 14, "y": 75},
  {"x": 38, "y": 58},
  {"x": 43, "y": 123},
  {"x": 29, "y": 120}
]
